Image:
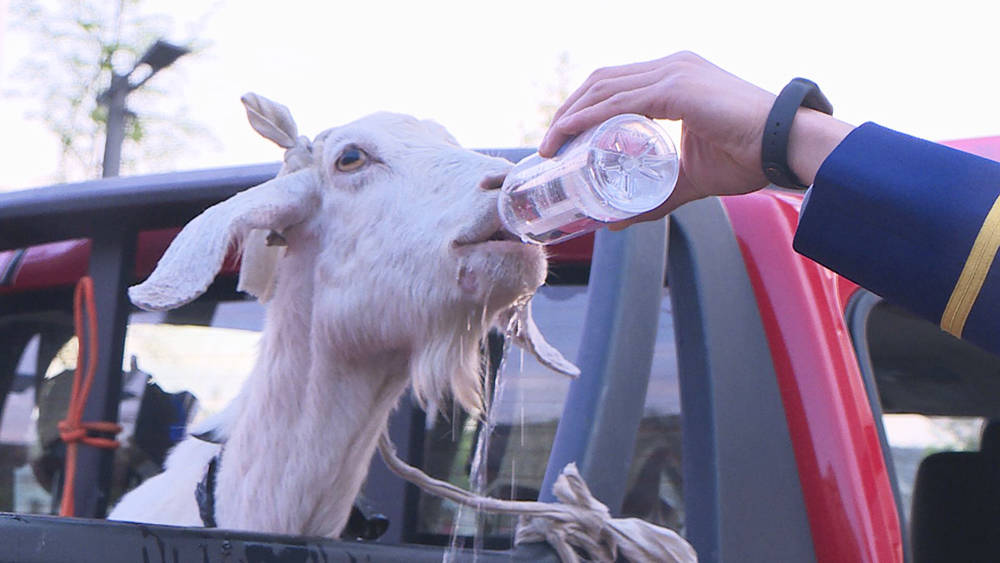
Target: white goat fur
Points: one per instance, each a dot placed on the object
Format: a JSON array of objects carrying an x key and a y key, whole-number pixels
[{"x": 387, "y": 280}]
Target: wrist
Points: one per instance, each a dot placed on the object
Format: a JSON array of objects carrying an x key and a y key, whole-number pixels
[{"x": 812, "y": 138}]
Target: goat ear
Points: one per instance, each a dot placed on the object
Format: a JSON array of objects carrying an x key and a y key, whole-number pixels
[
  {"x": 190, "y": 263},
  {"x": 271, "y": 119},
  {"x": 527, "y": 336}
]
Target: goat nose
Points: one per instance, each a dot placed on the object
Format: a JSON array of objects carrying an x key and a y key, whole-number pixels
[{"x": 492, "y": 182}]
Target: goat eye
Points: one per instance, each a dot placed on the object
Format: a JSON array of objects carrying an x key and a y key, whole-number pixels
[{"x": 351, "y": 159}]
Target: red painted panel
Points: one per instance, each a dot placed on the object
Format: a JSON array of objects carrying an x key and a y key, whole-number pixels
[
  {"x": 847, "y": 490},
  {"x": 55, "y": 264},
  {"x": 62, "y": 263},
  {"x": 987, "y": 147}
]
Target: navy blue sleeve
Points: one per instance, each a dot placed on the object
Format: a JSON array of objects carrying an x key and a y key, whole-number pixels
[{"x": 898, "y": 215}]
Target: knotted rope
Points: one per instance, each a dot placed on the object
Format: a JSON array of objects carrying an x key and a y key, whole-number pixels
[
  {"x": 578, "y": 522},
  {"x": 72, "y": 430}
]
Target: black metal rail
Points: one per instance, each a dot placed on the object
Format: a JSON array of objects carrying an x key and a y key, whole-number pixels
[{"x": 72, "y": 211}]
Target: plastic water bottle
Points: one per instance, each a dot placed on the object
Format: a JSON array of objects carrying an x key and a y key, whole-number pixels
[{"x": 621, "y": 168}]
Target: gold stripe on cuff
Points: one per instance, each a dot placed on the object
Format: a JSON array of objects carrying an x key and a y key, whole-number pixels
[{"x": 970, "y": 281}]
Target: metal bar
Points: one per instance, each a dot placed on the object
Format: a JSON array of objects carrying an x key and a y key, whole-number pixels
[
  {"x": 604, "y": 406},
  {"x": 9, "y": 272},
  {"x": 74, "y": 211},
  {"x": 741, "y": 482},
  {"x": 112, "y": 260},
  {"x": 30, "y": 538},
  {"x": 44, "y": 539},
  {"x": 115, "y": 130}
]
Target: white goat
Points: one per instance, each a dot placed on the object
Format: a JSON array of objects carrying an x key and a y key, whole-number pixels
[{"x": 394, "y": 267}]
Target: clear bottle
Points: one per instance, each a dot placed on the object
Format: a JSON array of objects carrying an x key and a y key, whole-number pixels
[{"x": 621, "y": 168}]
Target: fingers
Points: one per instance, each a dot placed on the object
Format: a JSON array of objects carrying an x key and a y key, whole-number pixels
[
  {"x": 612, "y": 91},
  {"x": 604, "y": 89},
  {"x": 570, "y": 124},
  {"x": 604, "y": 74}
]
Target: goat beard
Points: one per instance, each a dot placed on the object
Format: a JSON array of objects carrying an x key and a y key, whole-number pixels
[
  {"x": 450, "y": 365},
  {"x": 450, "y": 360}
]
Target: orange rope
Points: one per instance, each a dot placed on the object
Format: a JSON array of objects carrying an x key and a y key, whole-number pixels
[{"x": 73, "y": 430}]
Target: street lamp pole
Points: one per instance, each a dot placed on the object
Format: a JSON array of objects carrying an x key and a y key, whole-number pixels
[
  {"x": 159, "y": 56},
  {"x": 112, "y": 268},
  {"x": 115, "y": 133}
]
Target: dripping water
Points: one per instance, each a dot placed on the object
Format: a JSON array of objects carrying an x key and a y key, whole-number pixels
[
  {"x": 520, "y": 400},
  {"x": 493, "y": 392}
]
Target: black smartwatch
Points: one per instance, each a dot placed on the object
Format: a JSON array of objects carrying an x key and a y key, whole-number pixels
[{"x": 774, "y": 148}]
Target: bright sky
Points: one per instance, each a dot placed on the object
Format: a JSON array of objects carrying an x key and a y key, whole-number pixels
[{"x": 483, "y": 69}]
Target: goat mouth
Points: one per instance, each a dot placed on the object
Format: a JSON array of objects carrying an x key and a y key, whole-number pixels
[
  {"x": 502, "y": 234},
  {"x": 499, "y": 235}
]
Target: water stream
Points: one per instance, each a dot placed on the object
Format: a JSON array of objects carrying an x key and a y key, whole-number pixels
[{"x": 493, "y": 392}]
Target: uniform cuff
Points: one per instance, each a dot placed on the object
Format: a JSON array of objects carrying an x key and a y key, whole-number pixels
[{"x": 899, "y": 215}]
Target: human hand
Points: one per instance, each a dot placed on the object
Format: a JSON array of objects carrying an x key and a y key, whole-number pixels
[{"x": 722, "y": 118}]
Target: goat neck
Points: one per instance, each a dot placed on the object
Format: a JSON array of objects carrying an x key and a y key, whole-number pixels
[{"x": 307, "y": 423}]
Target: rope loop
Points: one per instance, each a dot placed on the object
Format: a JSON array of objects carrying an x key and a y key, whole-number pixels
[
  {"x": 73, "y": 430},
  {"x": 578, "y": 522}
]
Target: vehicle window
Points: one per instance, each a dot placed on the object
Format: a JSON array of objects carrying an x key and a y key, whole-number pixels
[
  {"x": 173, "y": 375},
  {"x": 655, "y": 487},
  {"x": 26, "y": 341},
  {"x": 19, "y": 490},
  {"x": 528, "y": 405},
  {"x": 211, "y": 362},
  {"x": 176, "y": 374},
  {"x": 913, "y": 437},
  {"x": 936, "y": 392}
]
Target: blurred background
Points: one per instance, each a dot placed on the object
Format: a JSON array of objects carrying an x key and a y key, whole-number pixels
[{"x": 490, "y": 72}]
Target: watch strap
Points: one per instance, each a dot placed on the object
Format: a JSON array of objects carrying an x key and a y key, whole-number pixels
[{"x": 774, "y": 147}]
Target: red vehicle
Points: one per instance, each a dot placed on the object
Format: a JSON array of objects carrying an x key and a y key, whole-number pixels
[{"x": 743, "y": 402}]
